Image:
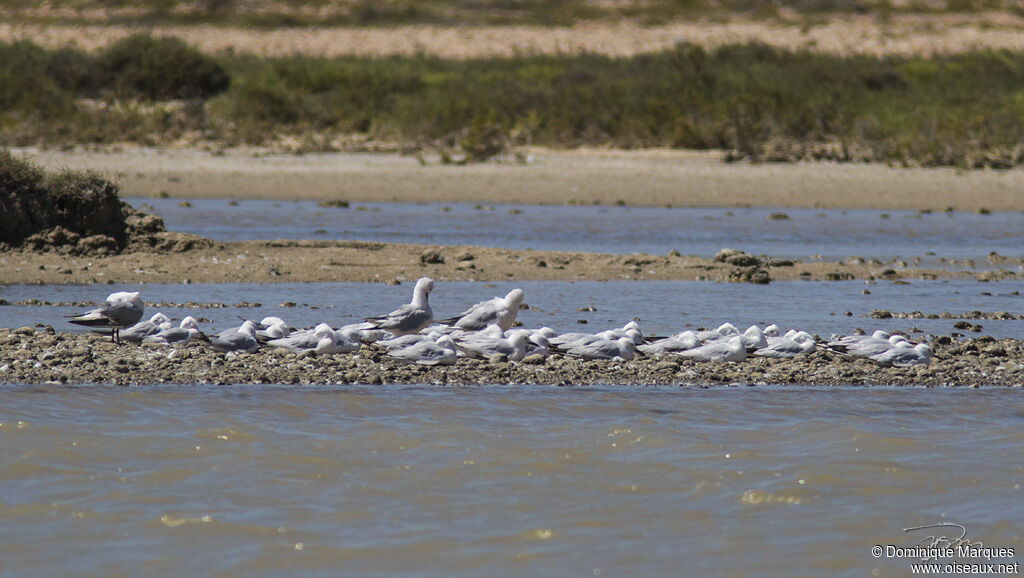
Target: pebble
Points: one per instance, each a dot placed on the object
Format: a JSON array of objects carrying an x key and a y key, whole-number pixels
[{"x": 31, "y": 357}]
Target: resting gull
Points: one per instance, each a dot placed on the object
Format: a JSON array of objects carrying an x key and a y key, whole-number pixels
[
  {"x": 787, "y": 346},
  {"x": 237, "y": 339},
  {"x": 187, "y": 331},
  {"x": 500, "y": 311},
  {"x": 725, "y": 349},
  {"x": 143, "y": 329},
  {"x": 441, "y": 352}
]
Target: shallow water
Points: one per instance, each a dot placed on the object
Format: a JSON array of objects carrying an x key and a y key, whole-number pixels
[
  {"x": 833, "y": 234},
  {"x": 662, "y": 307},
  {"x": 526, "y": 481}
]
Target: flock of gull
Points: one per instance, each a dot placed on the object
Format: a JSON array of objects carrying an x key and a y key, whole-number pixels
[{"x": 487, "y": 330}]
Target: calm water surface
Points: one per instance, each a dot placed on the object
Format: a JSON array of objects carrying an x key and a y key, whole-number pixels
[
  {"x": 663, "y": 307},
  {"x": 516, "y": 481},
  {"x": 833, "y": 234}
]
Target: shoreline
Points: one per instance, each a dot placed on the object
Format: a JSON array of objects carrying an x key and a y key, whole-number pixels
[
  {"x": 29, "y": 356},
  {"x": 279, "y": 261},
  {"x": 653, "y": 177}
]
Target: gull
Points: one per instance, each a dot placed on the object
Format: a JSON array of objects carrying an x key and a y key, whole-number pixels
[
  {"x": 631, "y": 329},
  {"x": 120, "y": 310},
  {"x": 441, "y": 352},
  {"x": 787, "y": 346},
  {"x": 406, "y": 340},
  {"x": 904, "y": 354},
  {"x": 365, "y": 331},
  {"x": 500, "y": 311},
  {"x": 623, "y": 348},
  {"x": 731, "y": 349},
  {"x": 143, "y": 329},
  {"x": 322, "y": 339},
  {"x": 753, "y": 338},
  {"x": 271, "y": 328},
  {"x": 237, "y": 339},
  {"x": 722, "y": 331},
  {"x": 409, "y": 318},
  {"x": 538, "y": 344},
  {"x": 187, "y": 331},
  {"x": 514, "y": 345},
  {"x": 678, "y": 342},
  {"x": 865, "y": 346}
]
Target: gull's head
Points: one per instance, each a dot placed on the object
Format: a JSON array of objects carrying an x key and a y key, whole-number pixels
[
  {"x": 445, "y": 342},
  {"x": 880, "y": 334},
  {"x": 899, "y": 341},
  {"x": 323, "y": 330},
  {"x": 635, "y": 336},
  {"x": 248, "y": 327},
  {"x": 424, "y": 286},
  {"x": 270, "y": 321},
  {"x": 126, "y": 297},
  {"x": 727, "y": 329},
  {"x": 518, "y": 338},
  {"x": 514, "y": 296},
  {"x": 159, "y": 318},
  {"x": 189, "y": 323},
  {"x": 540, "y": 339},
  {"x": 772, "y": 330},
  {"x": 546, "y": 332},
  {"x": 924, "y": 350}
]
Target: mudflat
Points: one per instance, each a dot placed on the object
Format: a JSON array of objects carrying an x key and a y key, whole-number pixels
[{"x": 542, "y": 176}]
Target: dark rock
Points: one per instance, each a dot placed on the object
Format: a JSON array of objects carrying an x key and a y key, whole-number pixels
[{"x": 431, "y": 258}]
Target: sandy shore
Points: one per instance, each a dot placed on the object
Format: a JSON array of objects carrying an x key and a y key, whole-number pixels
[
  {"x": 900, "y": 34},
  {"x": 320, "y": 261},
  {"x": 639, "y": 178},
  {"x": 45, "y": 356}
]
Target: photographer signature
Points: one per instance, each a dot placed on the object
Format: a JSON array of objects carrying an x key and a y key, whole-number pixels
[{"x": 943, "y": 541}]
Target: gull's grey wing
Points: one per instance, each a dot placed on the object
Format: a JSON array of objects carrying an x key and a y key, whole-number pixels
[
  {"x": 405, "y": 319},
  {"x": 234, "y": 340},
  {"x": 169, "y": 336},
  {"x": 140, "y": 331},
  {"x": 121, "y": 313},
  {"x": 297, "y": 342}
]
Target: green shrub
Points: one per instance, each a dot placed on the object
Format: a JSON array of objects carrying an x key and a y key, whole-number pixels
[{"x": 158, "y": 68}]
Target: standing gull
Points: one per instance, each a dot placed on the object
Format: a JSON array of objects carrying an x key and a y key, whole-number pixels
[
  {"x": 500, "y": 311},
  {"x": 409, "y": 318},
  {"x": 120, "y": 310}
]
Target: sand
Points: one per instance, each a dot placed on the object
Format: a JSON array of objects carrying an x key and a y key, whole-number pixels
[
  {"x": 637, "y": 178},
  {"x": 855, "y": 34}
]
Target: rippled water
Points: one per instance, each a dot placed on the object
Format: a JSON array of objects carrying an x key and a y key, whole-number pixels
[
  {"x": 663, "y": 307},
  {"x": 832, "y": 234},
  {"x": 524, "y": 481}
]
